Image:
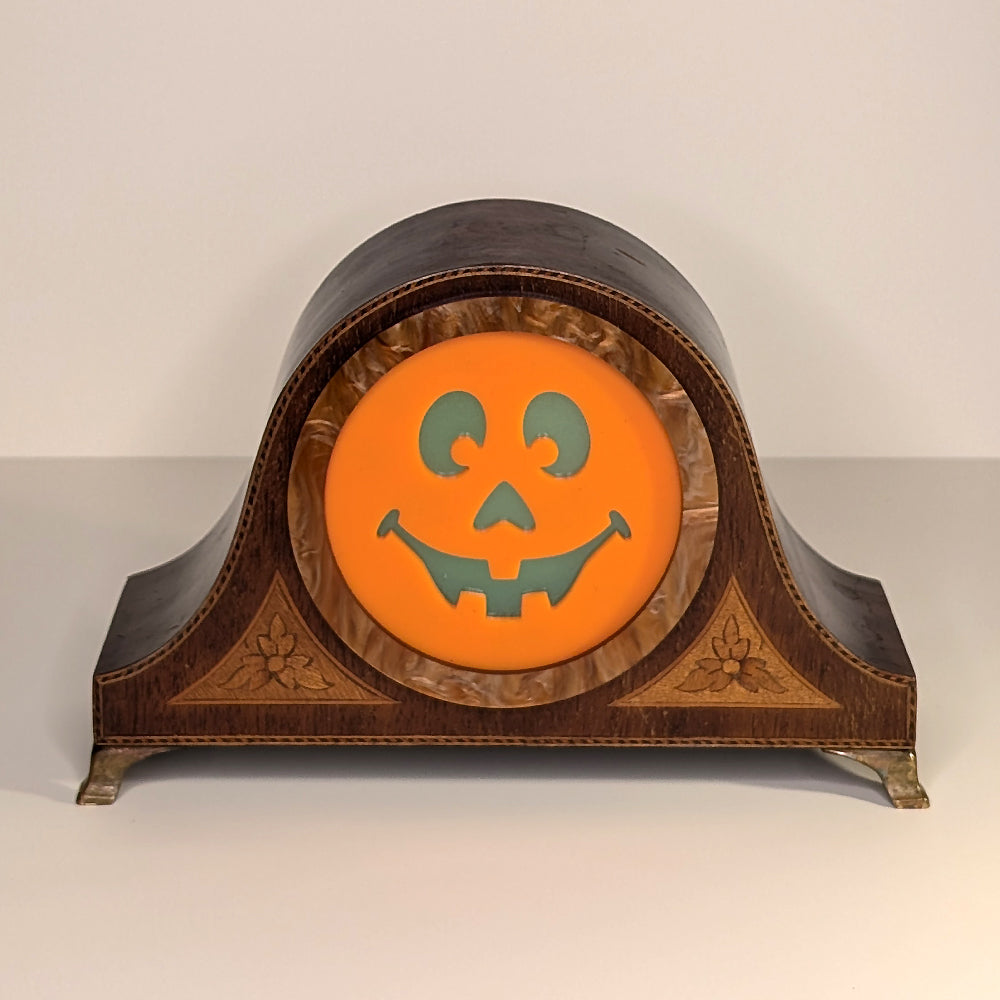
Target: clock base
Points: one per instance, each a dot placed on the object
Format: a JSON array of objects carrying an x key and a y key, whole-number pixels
[{"x": 896, "y": 768}]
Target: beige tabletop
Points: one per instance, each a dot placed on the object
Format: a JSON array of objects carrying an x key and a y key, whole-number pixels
[{"x": 504, "y": 873}]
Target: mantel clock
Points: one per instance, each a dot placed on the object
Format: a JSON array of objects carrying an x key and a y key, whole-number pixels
[{"x": 506, "y": 495}]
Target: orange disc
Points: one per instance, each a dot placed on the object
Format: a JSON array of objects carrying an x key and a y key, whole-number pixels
[{"x": 503, "y": 501}]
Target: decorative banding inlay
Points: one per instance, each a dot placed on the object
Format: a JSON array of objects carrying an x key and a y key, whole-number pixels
[{"x": 266, "y": 739}]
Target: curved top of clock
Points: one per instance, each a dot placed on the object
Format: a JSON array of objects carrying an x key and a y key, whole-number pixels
[
  {"x": 496, "y": 233},
  {"x": 508, "y": 248}
]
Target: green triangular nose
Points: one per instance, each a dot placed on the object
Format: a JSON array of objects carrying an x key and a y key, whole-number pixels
[{"x": 504, "y": 504}]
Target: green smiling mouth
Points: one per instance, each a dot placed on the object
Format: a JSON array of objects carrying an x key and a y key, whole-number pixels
[{"x": 553, "y": 575}]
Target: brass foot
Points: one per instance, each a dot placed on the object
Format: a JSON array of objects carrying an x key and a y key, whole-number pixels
[
  {"x": 898, "y": 771},
  {"x": 107, "y": 768}
]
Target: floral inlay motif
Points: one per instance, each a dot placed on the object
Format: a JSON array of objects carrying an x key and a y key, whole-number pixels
[
  {"x": 278, "y": 661},
  {"x": 275, "y": 658},
  {"x": 732, "y": 663},
  {"x": 718, "y": 671}
]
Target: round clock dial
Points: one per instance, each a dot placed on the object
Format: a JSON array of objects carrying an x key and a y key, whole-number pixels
[{"x": 503, "y": 501}]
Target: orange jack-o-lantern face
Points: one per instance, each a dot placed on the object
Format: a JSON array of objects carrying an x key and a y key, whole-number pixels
[{"x": 503, "y": 501}]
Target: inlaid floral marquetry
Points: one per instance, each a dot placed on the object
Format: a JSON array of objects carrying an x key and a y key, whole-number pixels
[
  {"x": 730, "y": 664},
  {"x": 278, "y": 659}
]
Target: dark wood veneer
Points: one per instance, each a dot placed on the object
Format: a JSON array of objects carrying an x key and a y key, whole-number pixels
[{"x": 174, "y": 623}]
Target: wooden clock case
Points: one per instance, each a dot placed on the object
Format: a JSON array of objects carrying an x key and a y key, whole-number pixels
[{"x": 832, "y": 671}]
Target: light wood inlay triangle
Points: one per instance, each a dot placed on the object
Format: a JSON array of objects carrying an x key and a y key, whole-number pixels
[
  {"x": 278, "y": 660},
  {"x": 731, "y": 664}
]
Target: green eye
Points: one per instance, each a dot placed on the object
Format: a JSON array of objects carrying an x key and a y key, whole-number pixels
[
  {"x": 451, "y": 416},
  {"x": 555, "y": 416}
]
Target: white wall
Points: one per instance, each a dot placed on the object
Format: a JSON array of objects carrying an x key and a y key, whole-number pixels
[{"x": 178, "y": 177}]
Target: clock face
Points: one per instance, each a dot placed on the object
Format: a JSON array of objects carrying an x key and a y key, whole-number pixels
[{"x": 503, "y": 501}]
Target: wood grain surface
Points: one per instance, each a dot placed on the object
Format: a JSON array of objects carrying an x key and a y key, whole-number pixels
[{"x": 824, "y": 636}]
